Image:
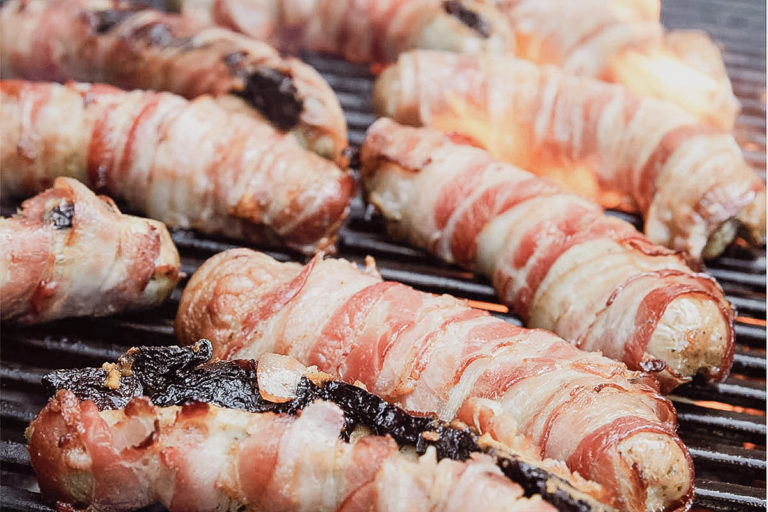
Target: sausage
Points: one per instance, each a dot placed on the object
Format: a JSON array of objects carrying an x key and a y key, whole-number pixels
[
  {"x": 689, "y": 181},
  {"x": 190, "y": 164},
  {"x": 436, "y": 355},
  {"x": 553, "y": 256},
  {"x": 71, "y": 253},
  {"x": 361, "y": 31},
  {"x": 625, "y": 43},
  {"x": 113, "y": 42}
]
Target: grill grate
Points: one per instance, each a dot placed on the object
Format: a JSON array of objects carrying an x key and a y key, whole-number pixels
[{"x": 723, "y": 425}]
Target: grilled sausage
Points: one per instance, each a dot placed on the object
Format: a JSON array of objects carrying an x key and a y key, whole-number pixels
[
  {"x": 70, "y": 253},
  {"x": 110, "y": 41},
  {"x": 367, "y": 31},
  {"x": 190, "y": 164},
  {"x": 689, "y": 181},
  {"x": 624, "y": 42},
  {"x": 554, "y": 257},
  {"x": 203, "y": 457},
  {"x": 431, "y": 354},
  {"x": 173, "y": 376}
]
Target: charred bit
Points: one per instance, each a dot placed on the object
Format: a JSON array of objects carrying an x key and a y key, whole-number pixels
[{"x": 470, "y": 18}]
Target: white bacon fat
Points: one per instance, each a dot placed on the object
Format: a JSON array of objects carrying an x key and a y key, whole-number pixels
[
  {"x": 623, "y": 42},
  {"x": 71, "y": 253},
  {"x": 361, "y": 31},
  {"x": 190, "y": 164},
  {"x": 435, "y": 354},
  {"x": 200, "y": 457},
  {"x": 689, "y": 181},
  {"x": 554, "y": 257},
  {"x": 112, "y": 42}
]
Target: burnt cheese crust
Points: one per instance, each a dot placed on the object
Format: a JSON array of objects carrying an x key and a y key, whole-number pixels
[{"x": 171, "y": 376}]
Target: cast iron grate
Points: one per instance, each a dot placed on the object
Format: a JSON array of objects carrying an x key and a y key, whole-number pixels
[{"x": 723, "y": 425}]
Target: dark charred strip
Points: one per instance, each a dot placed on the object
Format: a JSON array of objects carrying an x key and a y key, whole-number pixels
[
  {"x": 159, "y": 34},
  {"x": 178, "y": 376},
  {"x": 62, "y": 216},
  {"x": 102, "y": 22},
  {"x": 272, "y": 93},
  {"x": 468, "y": 17}
]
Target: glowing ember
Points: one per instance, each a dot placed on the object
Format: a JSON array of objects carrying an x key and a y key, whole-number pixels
[{"x": 488, "y": 306}]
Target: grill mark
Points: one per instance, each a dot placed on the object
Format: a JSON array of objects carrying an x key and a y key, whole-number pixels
[
  {"x": 470, "y": 18},
  {"x": 160, "y": 35},
  {"x": 102, "y": 22}
]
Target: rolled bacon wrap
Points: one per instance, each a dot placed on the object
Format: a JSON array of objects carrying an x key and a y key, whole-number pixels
[
  {"x": 71, "y": 253},
  {"x": 200, "y": 457},
  {"x": 624, "y": 42},
  {"x": 361, "y": 31},
  {"x": 113, "y": 42},
  {"x": 435, "y": 354},
  {"x": 689, "y": 181},
  {"x": 190, "y": 164},
  {"x": 553, "y": 256}
]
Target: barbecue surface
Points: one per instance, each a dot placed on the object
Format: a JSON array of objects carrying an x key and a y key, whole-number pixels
[{"x": 724, "y": 425}]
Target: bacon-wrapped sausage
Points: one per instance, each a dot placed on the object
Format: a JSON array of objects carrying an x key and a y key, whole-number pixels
[
  {"x": 689, "y": 181},
  {"x": 553, "y": 256},
  {"x": 70, "y": 253},
  {"x": 203, "y": 457},
  {"x": 362, "y": 31},
  {"x": 190, "y": 164},
  {"x": 624, "y": 42},
  {"x": 173, "y": 376},
  {"x": 435, "y": 354},
  {"x": 110, "y": 41}
]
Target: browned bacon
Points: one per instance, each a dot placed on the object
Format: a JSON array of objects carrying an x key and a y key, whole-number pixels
[
  {"x": 554, "y": 257},
  {"x": 435, "y": 354},
  {"x": 70, "y": 253},
  {"x": 689, "y": 181},
  {"x": 623, "y": 42},
  {"x": 201, "y": 457},
  {"x": 190, "y": 164},
  {"x": 110, "y": 41},
  {"x": 362, "y": 31}
]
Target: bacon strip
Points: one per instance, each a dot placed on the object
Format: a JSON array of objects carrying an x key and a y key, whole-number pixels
[
  {"x": 189, "y": 164},
  {"x": 554, "y": 257},
  {"x": 361, "y": 31},
  {"x": 689, "y": 181},
  {"x": 202, "y": 457},
  {"x": 110, "y": 41},
  {"x": 436, "y": 355},
  {"x": 624, "y": 42},
  {"x": 71, "y": 253}
]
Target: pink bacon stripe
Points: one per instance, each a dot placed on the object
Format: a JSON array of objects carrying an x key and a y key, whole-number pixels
[{"x": 600, "y": 443}]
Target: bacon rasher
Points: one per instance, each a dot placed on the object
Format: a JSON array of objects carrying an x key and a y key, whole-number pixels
[
  {"x": 553, "y": 256},
  {"x": 113, "y": 42},
  {"x": 623, "y": 42},
  {"x": 435, "y": 354},
  {"x": 361, "y": 31},
  {"x": 190, "y": 164},
  {"x": 200, "y": 457},
  {"x": 71, "y": 253},
  {"x": 689, "y": 181}
]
